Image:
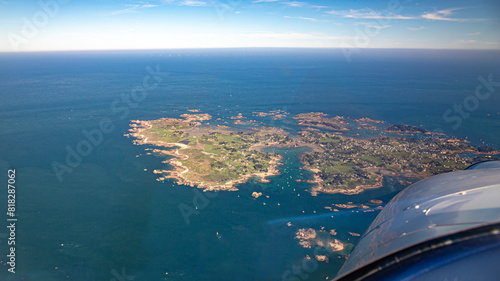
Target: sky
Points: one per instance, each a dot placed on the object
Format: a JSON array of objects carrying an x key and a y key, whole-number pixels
[{"x": 60, "y": 25}]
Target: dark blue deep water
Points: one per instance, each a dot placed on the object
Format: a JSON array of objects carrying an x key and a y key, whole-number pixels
[{"x": 107, "y": 218}]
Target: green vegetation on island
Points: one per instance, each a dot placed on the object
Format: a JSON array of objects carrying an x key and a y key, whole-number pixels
[
  {"x": 318, "y": 120},
  {"x": 349, "y": 165},
  {"x": 218, "y": 157},
  {"x": 215, "y": 158},
  {"x": 406, "y": 129}
]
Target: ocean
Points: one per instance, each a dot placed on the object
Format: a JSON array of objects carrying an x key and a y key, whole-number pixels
[{"x": 106, "y": 217}]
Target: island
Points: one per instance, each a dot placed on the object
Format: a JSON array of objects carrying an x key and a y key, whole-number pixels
[
  {"x": 350, "y": 165},
  {"x": 321, "y": 239},
  {"x": 274, "y": 114},
  {"x": 368, "y": 124},
  {"x": 403, "y": 129},
  {"x": 210, "y": 157},
  {"x": 219, "y": 157},
  {"x": 319, "y": 120}
]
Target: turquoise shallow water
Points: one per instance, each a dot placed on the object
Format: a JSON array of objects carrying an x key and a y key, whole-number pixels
[{"x": 109, "y": 218}]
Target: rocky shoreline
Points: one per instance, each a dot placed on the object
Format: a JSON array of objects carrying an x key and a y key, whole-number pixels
[{"x": 179, "y": 170}]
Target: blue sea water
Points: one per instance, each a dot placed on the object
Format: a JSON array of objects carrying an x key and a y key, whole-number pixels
[{"x": 109, "y": 219}]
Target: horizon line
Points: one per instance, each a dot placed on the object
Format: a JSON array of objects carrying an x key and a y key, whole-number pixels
[{"x": 248, "y": 48}]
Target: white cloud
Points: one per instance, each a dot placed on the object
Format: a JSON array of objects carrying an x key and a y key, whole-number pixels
[
  {"x": 193, "y": 3},
  {"x": 445, "y": 14},
  {"x": 132, "y": 9},
  {"x": 296, "y": 4},
  {"x": 467, "y": 41},
  {"x": 368, "y": 14},
  {"x": 370, "y": 24},
  {"x": 297, "y": 36},
  {"x": 126, "y": 10},
  {"x": 416, "y": 28},
  {"x": 473, "y": 34},
  {"x": 264, "y": 1},
  {"x": 379, "y": 26},
  {"x": 302, "y": 18},
  {"x": 441, "y": 15}
]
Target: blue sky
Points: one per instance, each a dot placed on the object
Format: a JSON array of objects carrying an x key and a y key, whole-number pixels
[{"x": 49, "y": 25}]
